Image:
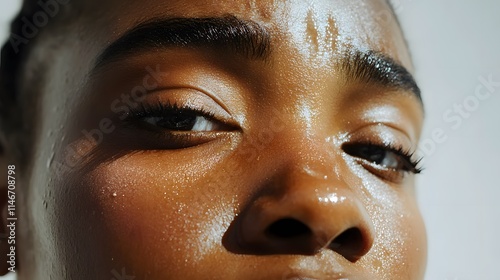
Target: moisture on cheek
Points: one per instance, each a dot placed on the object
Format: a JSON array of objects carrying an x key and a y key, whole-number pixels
[
  {"x": 166, "y": 200},
  {"x": 400, "y": 239}
]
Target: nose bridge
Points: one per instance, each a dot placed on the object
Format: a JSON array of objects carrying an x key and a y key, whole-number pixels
[
  {"x": 309, "y": 151},
  {"x": 310, "y": 169}
]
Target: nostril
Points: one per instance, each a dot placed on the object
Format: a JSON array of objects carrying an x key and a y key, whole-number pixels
[
  {"x": 288, "y": 228},
  {"x": 350, "y": 244}
]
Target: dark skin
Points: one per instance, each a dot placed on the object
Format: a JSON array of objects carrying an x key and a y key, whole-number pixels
[{"x": 278, "y": 155}]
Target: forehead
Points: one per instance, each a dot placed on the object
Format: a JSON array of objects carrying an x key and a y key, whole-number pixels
[{"x": 316, "y": 29}]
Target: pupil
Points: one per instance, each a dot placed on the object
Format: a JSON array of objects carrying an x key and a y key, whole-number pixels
[
  {"x": 373, "y": 154},
  {"x": 178, "y": 121}
]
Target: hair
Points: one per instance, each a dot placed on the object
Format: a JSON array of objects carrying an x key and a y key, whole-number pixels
[
  {"x": 16, "y": 122},
  {"x": 12, "y": 58}
]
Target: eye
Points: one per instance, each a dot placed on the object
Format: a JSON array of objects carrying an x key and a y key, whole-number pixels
[
  {"x": 167, "y": 126},
  {"x": 396, "y": 159},
  {"x": 183, "y": 120},
  {"x": 171, "y": 117}
]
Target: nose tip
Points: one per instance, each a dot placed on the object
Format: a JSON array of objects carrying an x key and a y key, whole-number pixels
[
  {"x": 305, "y": 222},
  {"x": 351, "y": 243}
]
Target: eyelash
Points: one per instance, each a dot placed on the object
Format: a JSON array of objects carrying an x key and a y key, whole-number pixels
[{"x": 161, "y": 109}]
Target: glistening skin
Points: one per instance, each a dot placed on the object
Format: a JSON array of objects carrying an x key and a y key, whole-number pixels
[{"x": 188, "y": 185}]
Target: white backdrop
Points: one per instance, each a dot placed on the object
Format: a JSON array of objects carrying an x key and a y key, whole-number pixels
[
  {"x": 454, "y": 43},
  {"x": 455, "y": 46}
]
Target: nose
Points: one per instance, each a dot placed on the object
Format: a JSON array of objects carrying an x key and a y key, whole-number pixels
[{"x": 304, "y": 214}]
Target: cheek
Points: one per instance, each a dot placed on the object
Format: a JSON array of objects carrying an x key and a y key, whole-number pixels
[
  {"x": 400, "y": 244},
  {"x": 152, "y": 207},
  {"x": 399, "y": 247},
  {"x": 415, "y": 243}
]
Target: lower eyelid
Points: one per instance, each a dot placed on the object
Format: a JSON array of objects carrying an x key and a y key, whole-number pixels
[{"x": 393, "y": 176}]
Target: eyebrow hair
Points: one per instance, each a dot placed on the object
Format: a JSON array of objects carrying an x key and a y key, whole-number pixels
[
  {"x": 243, "y": 37},
  {"x": 251, "y": 40},
  {"x": 377, "y": 68}
]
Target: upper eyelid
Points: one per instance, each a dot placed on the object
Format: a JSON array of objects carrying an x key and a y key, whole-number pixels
[
  {"x": 384, "y": 134},
  {"x": 146, "y": 111},
  {"x": 186, "y": 98},
  {"x": 196, "y": 89}
]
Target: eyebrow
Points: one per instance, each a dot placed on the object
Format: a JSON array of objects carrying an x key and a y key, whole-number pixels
[
  {"x": 251, "y": 40},
  {"x": 243, "y": 37},
  {"x": 371, "y": 67}
]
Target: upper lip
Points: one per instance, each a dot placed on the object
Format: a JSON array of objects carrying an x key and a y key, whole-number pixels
[
  {"x": 305, "y": 273},
  {"x": 320, "y": 269},
  {"x": 323, "y": 266},
  {"x": 317, "y": 276}
]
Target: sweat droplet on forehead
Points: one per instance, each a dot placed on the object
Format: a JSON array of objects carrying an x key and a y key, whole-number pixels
[{"x": 322, "y": 30}]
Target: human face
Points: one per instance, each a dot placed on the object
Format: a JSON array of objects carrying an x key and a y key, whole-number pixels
[{"x": 266, "y": 142}]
